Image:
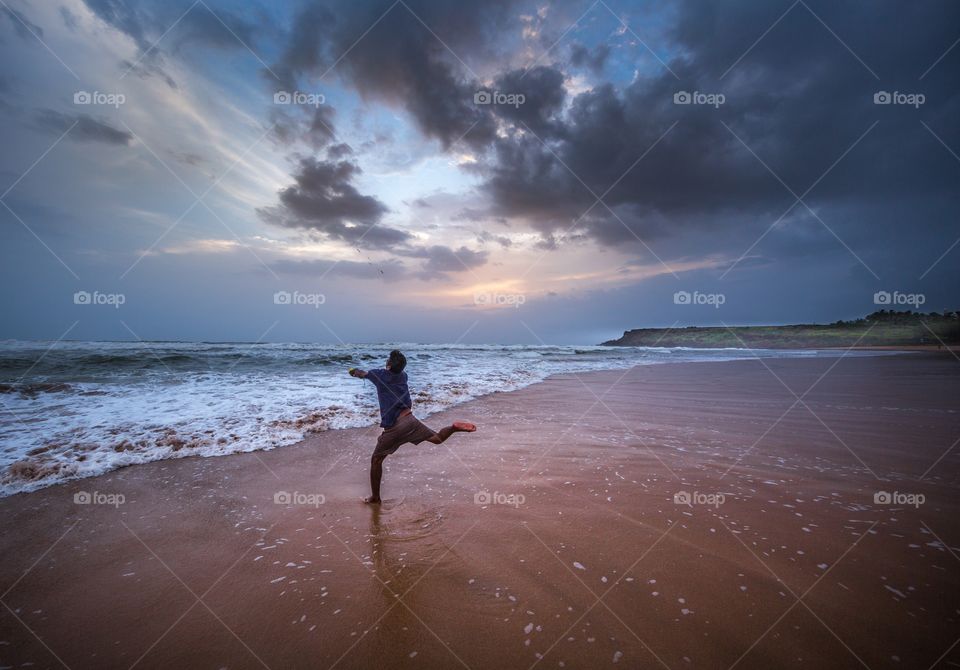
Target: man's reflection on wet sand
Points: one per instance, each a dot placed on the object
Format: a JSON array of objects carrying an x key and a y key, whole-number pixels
[{"x": 399, "y": 629}]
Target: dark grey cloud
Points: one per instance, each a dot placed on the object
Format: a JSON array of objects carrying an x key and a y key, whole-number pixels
[
  {"x": 594, "y": 59},
  {"x": 285, "y": 128},
  {"x": 392, "y": 66},
  {"x": 338, "y": 151},
  {"x": 440, "y": 259},
  {"x": 400, "y": 62},
  {"x": 84, "y": 128},
  {"x": 438, "y": 262},
  {"x": 485, "y": 236},
  {"x": 314, "y": 127},
  {"x": 799, "y": 99},
  {"x": 319, "y": 132},
  {"x": 683, "y": 176},
  {"x": 304, "y": 53},
  {"x": 323, "y": 193},
  {"x": 543, "y": 94},
  {"x": 476, "y": 215},
  {"x": 324, "y": 200}
]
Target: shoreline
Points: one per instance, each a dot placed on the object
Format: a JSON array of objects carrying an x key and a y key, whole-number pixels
[
  {"x": 951, "y": 349},
  {"x": 38, "y": 484},
  {"x": 436, "y": 577},
  {"x": 309, "y": 434}
]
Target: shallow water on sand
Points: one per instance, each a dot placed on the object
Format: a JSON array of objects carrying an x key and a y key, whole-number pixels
[{"x": 77, "y": 409}]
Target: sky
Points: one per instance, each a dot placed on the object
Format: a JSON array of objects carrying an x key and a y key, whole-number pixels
[{"x": 482, "y": 172}]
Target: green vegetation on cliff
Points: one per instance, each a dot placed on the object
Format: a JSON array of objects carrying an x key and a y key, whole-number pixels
[{"x": 882, "y": 328}]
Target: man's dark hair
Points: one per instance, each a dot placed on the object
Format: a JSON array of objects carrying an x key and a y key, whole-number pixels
[{"x": 397, "y": 361}]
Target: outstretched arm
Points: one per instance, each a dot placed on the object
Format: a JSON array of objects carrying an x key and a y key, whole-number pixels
[{"x": 354, "y": 372}]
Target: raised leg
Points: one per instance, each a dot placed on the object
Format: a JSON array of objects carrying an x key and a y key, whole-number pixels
[{"x": 457, "y": 427}]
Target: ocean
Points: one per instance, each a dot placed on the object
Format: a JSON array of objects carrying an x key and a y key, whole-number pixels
[{"x": 78, "y": 409}]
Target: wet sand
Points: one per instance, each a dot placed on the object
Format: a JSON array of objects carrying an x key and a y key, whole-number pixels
[{"x": 584, "y": 558}]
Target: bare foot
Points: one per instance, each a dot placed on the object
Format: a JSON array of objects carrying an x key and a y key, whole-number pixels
[
  {"x": 370, "y": 500},
  {"x": 464, "y": 427}
]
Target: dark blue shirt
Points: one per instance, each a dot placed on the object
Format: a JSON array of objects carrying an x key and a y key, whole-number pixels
[{"x": 392, "y": 393}]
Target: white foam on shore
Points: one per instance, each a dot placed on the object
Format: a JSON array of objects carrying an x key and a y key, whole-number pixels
[{"x": 80, "y": 409}]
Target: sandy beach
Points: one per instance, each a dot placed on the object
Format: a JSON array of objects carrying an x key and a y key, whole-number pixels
[{"x": 821, "y": 531}]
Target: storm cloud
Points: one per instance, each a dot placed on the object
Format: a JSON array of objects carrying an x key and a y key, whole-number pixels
[
  {"x": 624, "y": 161},
  {"x": 798, "y": 113},
  {"x": 703, "y": 149},
  {"x": 324, "y": 200},
  {"x": 401, "y": 61}
]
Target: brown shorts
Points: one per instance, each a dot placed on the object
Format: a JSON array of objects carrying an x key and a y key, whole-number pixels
[{"x": 407, "y": 429}]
